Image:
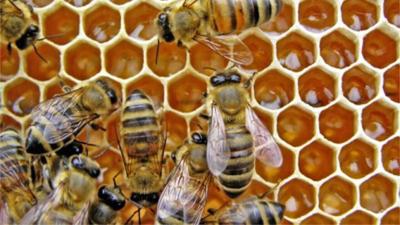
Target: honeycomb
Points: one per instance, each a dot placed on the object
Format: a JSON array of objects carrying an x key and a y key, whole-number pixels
[{"x": 327, "y": 88}]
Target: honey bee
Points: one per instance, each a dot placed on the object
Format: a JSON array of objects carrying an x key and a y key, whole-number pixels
[
  {"x": 184, "y": 197},
  {"x": 236, "y": 135},
  {"x": 68, "y": 203},
  {"x": 15, "y": 185},
  {"x": 57, "y": 121},
  {"x": 212, "y": 23}
]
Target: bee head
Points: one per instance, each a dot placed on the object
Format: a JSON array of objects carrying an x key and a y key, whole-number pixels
[
  {"x": 112, "y": 96},
  {"x": 163, "y": 25},
  {"x": 30, "y": 35},
  {"x": 82, "y": 163},
  {"x": 199, "y": 138},
  {"x": 111, "y": 198},
  {"x": 74, "y": 148},
  {"x": 223, "y": 78}
]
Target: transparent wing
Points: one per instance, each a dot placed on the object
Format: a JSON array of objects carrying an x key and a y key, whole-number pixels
[
  {"x": 4, "y": 218},
  {"x": 266, "y": 150},
  {"x": 82, "y": 217},
  {"x": 229, "y": 46},
  {"x": 218, "y": 152}
]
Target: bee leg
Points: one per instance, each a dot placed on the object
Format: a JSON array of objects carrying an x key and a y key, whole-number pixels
[
  {"x": 248, "y": 82},
  {"x": 130, "y": 218},
  {"x": 9, "y": 49},
  {"x": 140, "y": 219},
  {"x": 204, "y": 116},
  {"x": 64, "y": 87},
  {"x": 95, "y": 126}
]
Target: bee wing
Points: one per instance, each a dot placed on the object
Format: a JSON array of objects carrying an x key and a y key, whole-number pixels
[
  {"x": 229, "y": 47},
  {"x": 82, "y": 217},
  {"x": 266, "y": 150},
  {"x": 218, "y": 152},
  {"x": 184, "y": 196},
  {"x": 4, "y": 218}
]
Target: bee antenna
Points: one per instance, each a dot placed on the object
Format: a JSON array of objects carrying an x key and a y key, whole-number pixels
[
  {"x": 50, "y": 37},
  {"x": 247, "y": 84},
  {"x": 157, "y": 50},
  {"x": 115, "y": 178},
  {"x": 38, "y": 54},
  {"x": 271, "y": 190}
]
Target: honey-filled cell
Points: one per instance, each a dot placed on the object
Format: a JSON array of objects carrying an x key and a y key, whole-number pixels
[
  {"x": 7, "y": 121},
  {"x": 317, "y": 15},
  {"x": 99, "y": 27},
  {"x": 338, "y": 50},
  {"x": 359, "y": 14},
  {"x": 78, "y": 3},
  {"x": 261, "y": 51},
  {"x": 82, "y": 60},
  {"x": 379, "y": 49},
  {"x": 170, "y": 60},
  {"x": 9, "y": 64},
  {"x": 151, "y": 86},
  {"x": 357, "y": 159},
  {"x": 54, "y": 88},
  {"x": 391, "y": 156},
  {"x": 111, "y": 163},
  {"x": 379, "y": 120},
  {"x": 358, "y": 218},
  {"x": 318, "y": 219},
  {"x": 205, "y": 60},
  {"x": 359, "y": 84},
  {"x": 391, "y": 83},
  {"x": 392, "y": 217},
  {"x": 176, "y": 130},
  {"x": 377, "y": 193},
  {"x": 124, "y": 59},
  {"x": 39, "y": 69},
  {"x": 61, "y": 25},
  {"x": 391, "y": 11},
  {"x": 336, "y": 196},
  {"x": 282, "y": 22},
  {"x": 20, "y": 102},
  {"x": 139, "y": 21}
]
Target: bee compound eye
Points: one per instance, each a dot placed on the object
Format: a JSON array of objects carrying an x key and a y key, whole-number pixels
[
  {"x": 113, "y": 96},
  {"x": 94, "y": 173},
  {"x": 154, "y": 197},
  {"x": 135, "y": 197},
  {"x": 102, "y": 193},
  {"x": 235, "y": 78},
  {"x": 117, "y": 204},
  {"x": 196, "y": 137},
  {"x": 218, "y": 80},
  {"x": 77, "y": 162}
]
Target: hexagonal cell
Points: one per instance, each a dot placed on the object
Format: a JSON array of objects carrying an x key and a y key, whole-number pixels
[
  {"x": 338, "y": 123},
  {"x": 39, "y": 69},
  {"x": 124, "y": 59},
  {"x": 317, "y": 87},
  {"x": 139, "y": 21},
  {"x": 338, "y": 49},
  {"x": 391, "y": 156},
  {"x": 186, "y": 93},
  {"x": 391, "y": 84},
  {"x": 298, "y": 197},
  {"x": 41, "y": 3},
  {"x": 176, "y": 129},
  {"x": 20, "y": 102},
  {"x": 295, "y": 52},
  {"x": 7, "y": 121},
  {"x": 54, "y": 88},
  {"x": 317, "y": 15},
  {"x": 61, "y": 25},
  {"x": 262, "y": 53},
  {"x": 78, "y": 3},
  {"x": 273, "y": 174},
  {"x": 359, "y": 84},
  {"x": 99, "y": 27},
  {"x": 82, "y": 60},
  {"x": 205, "y": 60},
  {"x": 151, "y": 86},
  {"x": 318, "y": 219},
  {"x": 357, "y": 159},
  {"x": 273, "y": 90},
  {"x": 358, "y": 218},
  {"x": 359, "y": 14},
  {"x": 379, "y": 120},
  {"x": 379, "y": 49},
  {"x": 392, "y": 11},
  {"x": 317, "y": 160},
  {"x": 336, "y": 196},
  {"x": 295, "y": 126},
  {"x": 392, "y": 217},
  {"x": 282, "y": 22},
  {"x": 171, "y": 59},
  {"x": 377, "y": 193},
  {"x": 9, "y": 64}
]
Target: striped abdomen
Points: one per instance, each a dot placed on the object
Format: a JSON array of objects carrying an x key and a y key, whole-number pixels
[
  {"x": 237, "y": 175},
  {"x": 140, "y": 129},
  {"x": 232, "y": 16}
]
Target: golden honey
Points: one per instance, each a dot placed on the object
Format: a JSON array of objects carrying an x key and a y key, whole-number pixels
[
  {"x": 316, "y": 161},
  {"x": 358, "y": 218},
  {"x": 317, "y": 15},
  {"x": 298, "y": 196},
  {"x": 336, "y": 196},
  {"x": 43, "y": 70},
  {"x": 359, "y": 14},
  {"x": 338, "y": 50},
  {"x": 377, "y": 193},
  {"x": 337, "y": 123},
  {"x": 359, "y": 84}
]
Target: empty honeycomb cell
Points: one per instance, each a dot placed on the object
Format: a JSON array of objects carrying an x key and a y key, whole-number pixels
[
  {"x": 359, "y": 84},
  {"x": 298, "y": 197},
  {"x": 317, "y": 87},
  {"x": 20, "y": 102},
  {"x": 99, "y": 27},
  {"x": 317, "y": 15},
  {"x": 336, "y": 196},
  {"x": 358, "y": 218},
  {"x": 357, "y": 159},
  {"x": 41, "y": 3},
  {"x": 61, "y": 25},
  {"x": 262, "y": 53},
  {"x": 54, "y": 88},
  {"x": 359, "y": 14},
  {"x": 379, "y": 49},
  {"x": 377, "y": 193},
  {"x": 78, "y": 3},
  {"x": 274, "y": 89},
  {"x": 124, "y": 59},
  {"x": 171, "y": 59},
  {"x": 151, "y": 86},
  {"x": 295, "y": 51},
  {"x": 176, "y": 130},
  {"x": 186, "y": 93},
  {"x": 39, "y": 69},
  {"x": 205, "y": 60},
  {"x": 7, "y": 121},
  {"x": 318, "y": 219},
  {"x": 392, "y": 11},
  {"x": 82, "y": 60},
  {"x": 317, "y": 160},
  {"x": 338, "y": 123},
  {"x": 392, "y": 217},
  {"x": 139, "y": 21},
  {"x": 295, "y": 126},
  {"x": 391, "y": 84},
  {"x": 379, "y": 120},
  {"x": 273, "y": 174},
  {"x": 391, "y": 156},
  {"x": 282, "y": 22},
  {"x": 338, "y": 49},
  {"x": 9, "y": 64}
]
